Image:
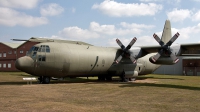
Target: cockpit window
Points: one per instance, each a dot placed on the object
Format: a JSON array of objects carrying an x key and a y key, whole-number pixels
[
  {"x": 35, "y": 49},
  {"x": 47, "y": 49},
  {"x": 34, "y": 54},
  {"x": 44, "y": 48}
]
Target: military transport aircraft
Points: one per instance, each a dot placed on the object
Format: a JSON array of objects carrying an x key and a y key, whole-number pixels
[{"x": 60, "y": 59}]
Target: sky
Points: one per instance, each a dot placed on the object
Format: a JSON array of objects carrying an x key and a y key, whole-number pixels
[{"x": 99, "y": 22}]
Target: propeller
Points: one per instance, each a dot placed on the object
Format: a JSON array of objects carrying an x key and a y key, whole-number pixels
[
  {"x": 165, "y": 48},
  {"x": 126, "y": 50}
]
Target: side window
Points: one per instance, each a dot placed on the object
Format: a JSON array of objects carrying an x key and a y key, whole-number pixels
[
  {"x": 4, "y": 65},
  {"x": 43, "y": 58},
  {"x": 47, "y": 49},
  {"x": 9, "y": 65},
  {"x": 39, "y": 58},
  {"x": 4, "y": 54}
]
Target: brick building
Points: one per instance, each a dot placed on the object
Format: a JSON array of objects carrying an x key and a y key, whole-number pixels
[{"x": 10, "y": 52}]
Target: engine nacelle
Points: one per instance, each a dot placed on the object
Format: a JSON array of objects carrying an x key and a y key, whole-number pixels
[
  {"x": 162, "y": 61},
  {"x": 130, "y": 74}
]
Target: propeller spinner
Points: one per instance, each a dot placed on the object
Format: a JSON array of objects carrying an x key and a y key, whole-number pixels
[
  {"x": 126, "y": 50},
  {"x": 165, "y": 48}
]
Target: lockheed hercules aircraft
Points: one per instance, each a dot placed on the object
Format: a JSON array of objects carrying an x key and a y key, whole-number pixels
[{"x": 78, "y": 59}]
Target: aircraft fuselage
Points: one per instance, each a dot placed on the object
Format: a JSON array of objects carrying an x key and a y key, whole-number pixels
[{"x": 75, "y": 60}]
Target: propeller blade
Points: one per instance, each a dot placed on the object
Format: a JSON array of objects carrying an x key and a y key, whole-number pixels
[
  {"x": 120, "y": 44},
  {"x": 119, "y": 59},
  {"x": 132, "y": 58},
  {"x": 158, "y": 39},
  {"x": 155, "y": 57},
  {"x": 174, "y": 58},
  {"x": 173, "y": 39},
  {"x": 131, "y": 43}
]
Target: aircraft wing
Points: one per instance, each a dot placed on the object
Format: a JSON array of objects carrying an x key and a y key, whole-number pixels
[
  {"x": 191, "y": 46},
  {"x": 149, "y": 49},
  {"x": 184, "y": 48},
  {"x": 35, "y": 39}
]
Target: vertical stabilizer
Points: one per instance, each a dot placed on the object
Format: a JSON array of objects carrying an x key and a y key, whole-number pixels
[{"x": 167, "y": 34}]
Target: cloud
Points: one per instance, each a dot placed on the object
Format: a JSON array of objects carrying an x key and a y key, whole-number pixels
[
  {"x": 77, "y": 33},
  {"x": 196, "y": 16},
  {"x": 134, "y": 25},
  {"x": 126, "y": 29},
  {"x": 187, "y": 32},
  {"x": 116, "y": 9},
  {"x": 51, "y": 9},
  {"x": 179, "y": 15},
  {"x": 96, "y": 31},
  {"x": 151, "y": 0},
  {"x": 21, "y": 4},
  {"x": 73, "y": 10},
  {"x": 141, "y": 41},
  {"x": 12, "y": 18}
]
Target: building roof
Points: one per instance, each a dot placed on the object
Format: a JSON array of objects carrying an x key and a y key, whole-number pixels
[{"x": 11, "y": 45}]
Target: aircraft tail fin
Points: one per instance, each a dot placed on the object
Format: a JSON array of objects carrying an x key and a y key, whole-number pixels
[{"x": 167, "y": 34}]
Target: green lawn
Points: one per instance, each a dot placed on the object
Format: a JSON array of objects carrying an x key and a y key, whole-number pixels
[{"x": 150, "y": 93}]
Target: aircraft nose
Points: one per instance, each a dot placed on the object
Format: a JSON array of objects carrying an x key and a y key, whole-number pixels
[{"x": 23, "y": 63}]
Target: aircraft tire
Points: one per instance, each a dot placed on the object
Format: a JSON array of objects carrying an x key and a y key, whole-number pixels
[
  {"x": 132, "y": 79},
  {"x": 46, "y": 80},
  {"x": 101, "y": 78},
  {"x": 109, "y": 78},
  {"x": 122, "y": 77}
]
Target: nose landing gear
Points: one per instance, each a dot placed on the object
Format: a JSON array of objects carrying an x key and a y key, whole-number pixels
[{"x": 44, "y": 80}]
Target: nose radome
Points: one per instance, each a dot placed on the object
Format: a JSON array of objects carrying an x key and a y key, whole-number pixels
[{"x": 23, "y": 63}]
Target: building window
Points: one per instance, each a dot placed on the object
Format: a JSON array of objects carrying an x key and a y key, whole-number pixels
[
  {"x": 0, "y": 54},
  {"x": 14, "y": 52},
  {"x": 4, "y": 54},
  {"x": 21, "y": 52},
  {"x": 0, "y": 65},
  {"x": 9, "y": 65},
  {"x": 10, "y": 52},
  {"x": 4, "y": 65}
]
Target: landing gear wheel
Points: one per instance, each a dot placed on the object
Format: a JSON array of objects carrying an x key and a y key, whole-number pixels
[
  {"x": 46, "y": 80},
  {"x": 123, "y": 79},
  {"x": 101, "y": 78},
  {"x": 40, "y": 80},
  {"x": 109, "y": 78},
  {"x": 132, "y": 79}
]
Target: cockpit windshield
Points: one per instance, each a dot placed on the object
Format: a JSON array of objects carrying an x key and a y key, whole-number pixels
[
  {"x": 44, "y": 48},
  {"x": 33, "y": 51}
]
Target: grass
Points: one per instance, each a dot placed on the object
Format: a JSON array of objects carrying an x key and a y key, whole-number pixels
[{"x": 149, "y": 93}]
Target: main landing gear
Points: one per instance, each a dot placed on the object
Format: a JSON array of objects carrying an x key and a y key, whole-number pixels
[
  {"x": 44, "y": 80},
  {"x": 103, "y": 78},
  {"x": 123, "y": 79}
]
